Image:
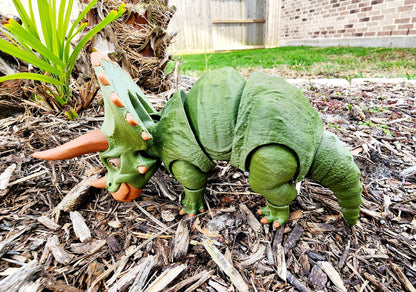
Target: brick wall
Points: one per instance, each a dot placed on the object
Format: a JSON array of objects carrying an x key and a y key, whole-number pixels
[{"x": 329, "y": 19}]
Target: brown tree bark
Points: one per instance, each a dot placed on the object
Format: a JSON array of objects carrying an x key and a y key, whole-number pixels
[{"x": 139, "y": 38}]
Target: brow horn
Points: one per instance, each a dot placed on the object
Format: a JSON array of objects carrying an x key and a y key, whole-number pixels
[{"x": 88, "y": 143}]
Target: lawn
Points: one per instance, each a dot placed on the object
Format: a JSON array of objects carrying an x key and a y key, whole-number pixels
[{"x": 296, "y": 62}]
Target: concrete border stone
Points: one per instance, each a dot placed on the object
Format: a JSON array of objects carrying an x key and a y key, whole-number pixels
[
  {"x": 393, "y": 81},
  {"x": 405, "y": 41},
  {"x": 330, "y": 82},
  {"x": 343, "y": 83}
]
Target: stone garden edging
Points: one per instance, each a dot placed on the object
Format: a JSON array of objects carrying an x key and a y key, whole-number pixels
[{"x": 354, "y": 82}]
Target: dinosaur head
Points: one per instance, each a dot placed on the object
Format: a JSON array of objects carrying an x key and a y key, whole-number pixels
[{"x": 124, "y": 140}]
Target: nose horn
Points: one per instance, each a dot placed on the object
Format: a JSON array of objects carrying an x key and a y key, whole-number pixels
[
  {"x": 99, "y": 183},
  {"x": 88, "y": 143}
]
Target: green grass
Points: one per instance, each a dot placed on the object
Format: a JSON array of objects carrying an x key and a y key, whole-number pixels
[{"x": 291, "y": 62}]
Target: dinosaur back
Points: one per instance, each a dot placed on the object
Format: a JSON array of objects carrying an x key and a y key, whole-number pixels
[
  {"x": 212, "y": 106},
  {"x": 274, "y": 112}
]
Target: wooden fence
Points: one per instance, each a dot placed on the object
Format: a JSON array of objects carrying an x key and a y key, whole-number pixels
[{"x": 216, "y": 25}]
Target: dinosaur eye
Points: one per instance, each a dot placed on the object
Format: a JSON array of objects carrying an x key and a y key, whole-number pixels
[{"x": 114, "y": 163}]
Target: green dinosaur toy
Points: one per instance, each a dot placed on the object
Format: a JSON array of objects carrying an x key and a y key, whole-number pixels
[{"x": 262, "y": 125}]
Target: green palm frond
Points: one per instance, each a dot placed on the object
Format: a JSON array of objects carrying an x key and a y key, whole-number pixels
[{"x": 50, "y": 50}]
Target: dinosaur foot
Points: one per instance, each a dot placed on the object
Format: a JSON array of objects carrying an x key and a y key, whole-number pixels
[
  {"x": 276, "y": 214},
  {"x": 191, "y": 213}
]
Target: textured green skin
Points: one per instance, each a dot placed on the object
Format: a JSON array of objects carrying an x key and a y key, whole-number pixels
[
  {"x": 263, "y": 125},
  {"x": 212, "y": 108},
  {"x": 174, "y": 139},
  {"x": 274, "y": 183},
  {"x": 274, "y": 112},
  {"x": 334, "y": 168}
]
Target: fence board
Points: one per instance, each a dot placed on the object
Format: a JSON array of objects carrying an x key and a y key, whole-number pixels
[
  {"x": 272, "y": 27},
  {"x": 192, "y": 22},
  {"x": 208, "y": 25},
  {"x": 237, "y": 30}
]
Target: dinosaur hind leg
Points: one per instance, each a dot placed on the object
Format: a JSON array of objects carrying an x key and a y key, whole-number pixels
[{"x": 272, "y": 168}]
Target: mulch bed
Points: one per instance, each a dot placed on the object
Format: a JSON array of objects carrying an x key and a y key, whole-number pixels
[{"x": 58, "y": 234}]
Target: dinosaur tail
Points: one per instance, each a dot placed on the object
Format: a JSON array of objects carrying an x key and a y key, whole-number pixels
[{"x": 334, "y": 168}]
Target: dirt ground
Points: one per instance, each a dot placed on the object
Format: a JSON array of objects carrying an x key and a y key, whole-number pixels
[{"x": 58, "y": 234}]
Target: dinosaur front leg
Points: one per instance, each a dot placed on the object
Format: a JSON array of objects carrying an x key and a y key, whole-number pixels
[
  {"x": 272, "y": 168},
  {"x": 194, "y": 182}
]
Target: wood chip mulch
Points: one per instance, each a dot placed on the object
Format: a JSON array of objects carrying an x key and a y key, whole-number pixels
[{"x": 58, "y": 234}]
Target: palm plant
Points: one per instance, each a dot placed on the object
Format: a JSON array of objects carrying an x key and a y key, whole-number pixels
[{"x": 49, "y": 49}]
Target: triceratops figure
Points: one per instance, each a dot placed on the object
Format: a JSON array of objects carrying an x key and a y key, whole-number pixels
[{"x": 262, "y": 125}]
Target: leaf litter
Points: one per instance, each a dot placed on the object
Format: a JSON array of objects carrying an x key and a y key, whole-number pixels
[{"x": 58, "y": 234}]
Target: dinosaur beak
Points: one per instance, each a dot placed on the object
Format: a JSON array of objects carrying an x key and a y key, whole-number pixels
[
  {"x": 88, "y": 143},
  {"x": 125, "y": 193}
]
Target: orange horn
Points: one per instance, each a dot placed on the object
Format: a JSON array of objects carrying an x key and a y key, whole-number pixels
[
  {"x": 88, "y": 143},
  {"x": 99, "y": 183}
]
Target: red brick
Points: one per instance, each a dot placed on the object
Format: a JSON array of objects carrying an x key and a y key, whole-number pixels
[
  {"x": 406, "y": 26},
  {"x": 378, "y": 17},
  {"x": 353, "y": 6},
  {"x": 400, "y": 32},
  {"x": 372, "y": 23},
  {"x": 383, "y": 33},
  {"x": 406, "y": 8},
  {"x": 368, "y": 8},
  {"x": 407, "y": 14},
  {"x": 402, "y": 20},
  {"x": 388, "y": 11},
  {"x": 362, "y": 29},
  {"x": 344, "y": 18},
  {"x": 373, "y": 28},
  {"x": 388, "y": 27}
]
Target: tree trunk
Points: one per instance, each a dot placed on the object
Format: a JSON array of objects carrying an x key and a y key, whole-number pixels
[{"x": 137, "y": 40}]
